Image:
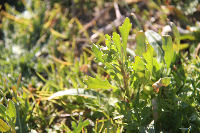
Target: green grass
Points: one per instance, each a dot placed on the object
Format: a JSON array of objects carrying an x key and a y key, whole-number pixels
[{"x": 51, "y": 81}]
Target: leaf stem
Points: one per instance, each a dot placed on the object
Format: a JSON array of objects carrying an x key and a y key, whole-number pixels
[{"x": 125, "y": 78}]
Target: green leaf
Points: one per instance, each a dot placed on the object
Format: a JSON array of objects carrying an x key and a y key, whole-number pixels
[
  {"x": 11, "y": 111},
  {"x": 140, "y": 43},
  {"x": 2, "y": 110},
  {"x": 138, "y": 64},
  {"x": 155, "y": 40},
  {"x": 124, "y": 30},
  {"x": 98, "y": 53},
  {"x": 74, "y": 125},
  {"x": 108, "y": 41},
  {"x": 81, "y": 125},
  {"x": 175, "y": 33},
  {"x": 148, "y": 56},
  {"x": 97, "y": 83},
  {"x": 180, "y": 47},
  {"x": 168, "y": 49},
  {"x": 4, "y": 126},
  {"x": 156, "y": 64},
  {"x": 117, "y": 42},
  {"x": 166, "y": 81}
]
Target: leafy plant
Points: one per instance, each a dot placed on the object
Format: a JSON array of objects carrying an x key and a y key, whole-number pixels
[
  {"x": 131, "y": 80},
  {"x": 152, "y": 88},
  {"x": 9, "y": 114}
]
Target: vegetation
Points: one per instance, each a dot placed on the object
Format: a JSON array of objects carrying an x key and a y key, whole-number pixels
[{"x": 60, "y": 73}]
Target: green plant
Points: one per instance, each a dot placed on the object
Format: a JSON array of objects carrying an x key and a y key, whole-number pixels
[
  {"x": 8, "y": 114},
  {"x": 127, "y": 95},
  {"x": 132, "y": 80},
  {"x": 14, "y": 110},
  {"x": 154, "y": 88}
]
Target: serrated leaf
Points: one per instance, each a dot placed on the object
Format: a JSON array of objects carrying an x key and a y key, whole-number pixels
[
  {"x": 2, "y": 110},
  {"x": 140, "y": 43},
  {"x": 117, "y": 42},
  {"x": 97, "y": 83},
  {"x": 74, "y": 125},
  {"x": 155, "y": 40},
  {"x": 168, "y": 50},
  {"x": 4, "y": 126},
  {"x": 148, "y": 56},
  {"x": 98, "y": 53},
  {"x": 11, "y": 111},
  {"x": 124, "y": 30},
  {"x": 108, "y": 41},
  {"x": 138, "y": 64}
]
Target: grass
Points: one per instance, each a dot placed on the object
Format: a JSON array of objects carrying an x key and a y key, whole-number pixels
[{"x": 55, "y": 78}]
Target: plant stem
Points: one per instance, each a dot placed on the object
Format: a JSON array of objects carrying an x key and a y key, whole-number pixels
[{"x": 125, "y": 78}]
